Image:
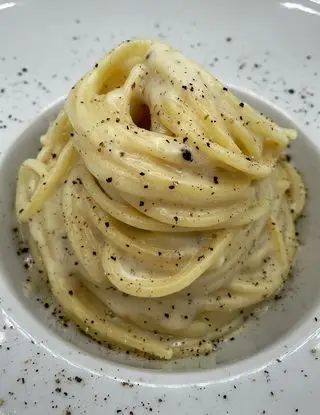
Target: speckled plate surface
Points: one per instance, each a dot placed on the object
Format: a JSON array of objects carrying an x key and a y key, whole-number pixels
[{"x": 268, "y": 52}]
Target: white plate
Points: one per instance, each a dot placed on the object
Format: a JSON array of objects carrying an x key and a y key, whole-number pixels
[{"x": 268, "y": 52}]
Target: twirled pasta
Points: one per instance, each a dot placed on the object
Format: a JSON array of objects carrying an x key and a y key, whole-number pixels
[{"x": 160, "y": 206}]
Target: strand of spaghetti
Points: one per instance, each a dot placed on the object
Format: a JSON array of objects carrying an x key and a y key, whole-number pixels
[
  {"x": 47, "y": 185},
  {"x": 24, "y": 184},
  {"x": 297, "y": 189},
  {"x": 55, "y": 138}
]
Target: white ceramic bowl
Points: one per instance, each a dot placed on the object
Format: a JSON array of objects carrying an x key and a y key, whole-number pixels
[{"x": 271, "y": 365}]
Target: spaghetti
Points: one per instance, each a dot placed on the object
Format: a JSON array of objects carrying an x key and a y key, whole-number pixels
[{"x": 160, "y": 206}]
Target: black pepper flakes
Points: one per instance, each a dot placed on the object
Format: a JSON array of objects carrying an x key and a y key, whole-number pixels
[
  {"x": 109, "y": 180},
  {"x": 186, "y": 154}
]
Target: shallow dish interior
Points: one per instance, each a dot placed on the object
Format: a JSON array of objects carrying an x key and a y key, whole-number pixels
[{"x": 271, "y": 328}]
